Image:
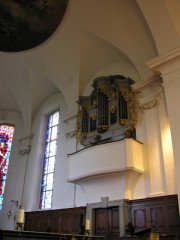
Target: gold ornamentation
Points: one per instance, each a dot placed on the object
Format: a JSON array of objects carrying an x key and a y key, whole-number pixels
[
  {"x": 84, "y": 134},
  {"x": 132, "y": 108},
  {"x": 125, "y": 94},
  {"x": 129, "y": 96},
  {"x": 106, "y": 92},
  {"x": 151, "y": 104},
  {"x": 104, "y": 89},
  {"x": 94, "y": 102},
  {"x": 78, "y": 124},
  {"x": 112, "y": 92},
  {"x": 73, "y": 238},
  {"x": 93, "y": 116},
  {"x": 85, "y": 107},
  {"x": 102, "y": 128},
  {"x": 123, "y": 122},
  {"x": 113, "y": 109}
]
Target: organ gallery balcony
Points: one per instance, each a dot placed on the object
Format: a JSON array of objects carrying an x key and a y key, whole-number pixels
[{"x": 104, "y": 159}]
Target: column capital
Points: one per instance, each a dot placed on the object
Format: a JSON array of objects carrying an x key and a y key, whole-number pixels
[
  {"x": 70, "y": 122},
  {"x": 148, "y": 93},
  {"x": 166, "y": 64}
]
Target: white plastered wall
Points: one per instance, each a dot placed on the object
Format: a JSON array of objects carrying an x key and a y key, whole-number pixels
[{"x": 15, "y": 171}]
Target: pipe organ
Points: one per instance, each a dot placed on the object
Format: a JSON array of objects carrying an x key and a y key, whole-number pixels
[{"x": 109, "y": 113}]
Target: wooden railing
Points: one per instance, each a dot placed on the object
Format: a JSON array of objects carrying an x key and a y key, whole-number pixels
[{"x": 26, "y": 235}]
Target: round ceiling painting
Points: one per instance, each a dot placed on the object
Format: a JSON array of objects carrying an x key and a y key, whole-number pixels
[{"x": 24, "y": 24}]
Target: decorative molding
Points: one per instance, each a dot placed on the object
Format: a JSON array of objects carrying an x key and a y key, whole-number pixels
[
  {"x": 25, "y": 145},
  {"x": 149, "y": 93},
  {"x": 151, "y": 81},
  {"x": 167, "y": 57},
  {"x": 70, "y": 124},
  {"x": 25, "y": 151},
  {"x": 157, "y": 194},
  {"x": 151, "y": 104},
  {"x": 70, "y": 135},
  {"x": 166, "y": 63}
]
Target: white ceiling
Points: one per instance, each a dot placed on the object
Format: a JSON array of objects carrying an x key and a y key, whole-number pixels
[{"x": 92, "y": 36}]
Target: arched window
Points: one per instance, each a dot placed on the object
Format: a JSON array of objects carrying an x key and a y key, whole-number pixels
[
  {"x": 49, "y": 161},
  {"x": 6, "y": 137}
]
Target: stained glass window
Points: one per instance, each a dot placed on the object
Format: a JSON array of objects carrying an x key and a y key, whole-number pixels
[
  {"x": 49, "y": 161},
  {"x": 6, "y": 137}
]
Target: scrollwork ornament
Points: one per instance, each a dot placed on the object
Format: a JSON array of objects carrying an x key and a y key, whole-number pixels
[
  {"x": 124, "y": 122},
  {"x": 132, "y": 108},
  {"x": 125, "y": 93},
  {"x": 104, "y": 89},
  {"x": 93, "y": 116},
  {"x": 151, "y": 104},
  {"x": 113, "y": 109},
  {"x": 94, "y": 101},
  {"x": 85, "y": 107},
  {"x": 78, "y": 132},
  {"x": 103, "y": 128},
  {"x": 112, "y": 92}
]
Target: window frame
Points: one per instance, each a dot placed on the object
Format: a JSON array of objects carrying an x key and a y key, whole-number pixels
[
  {"x": 7, "y": 155},
  {"x": 46, "y": 156}
]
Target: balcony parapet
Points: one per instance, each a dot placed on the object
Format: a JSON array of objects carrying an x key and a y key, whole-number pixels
[{"x": 110, "y": 158}]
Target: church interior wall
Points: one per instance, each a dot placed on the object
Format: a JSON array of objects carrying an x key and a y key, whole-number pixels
[
  {"x": 158, "y": 112},
  {"x": 156, "y": 180}
]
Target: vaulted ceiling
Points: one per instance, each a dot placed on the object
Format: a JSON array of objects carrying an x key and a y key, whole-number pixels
[{"x": 88, "y": 36}]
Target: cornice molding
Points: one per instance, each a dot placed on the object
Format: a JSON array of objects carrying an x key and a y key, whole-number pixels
[
  {"x": 151, "y": 81},
  {"x": 165, "y": 63}
]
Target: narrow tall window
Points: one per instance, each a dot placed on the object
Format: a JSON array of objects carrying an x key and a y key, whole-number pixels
[
  {"x": 49, "y": 161},
  {"x": 6, "y": 137}
]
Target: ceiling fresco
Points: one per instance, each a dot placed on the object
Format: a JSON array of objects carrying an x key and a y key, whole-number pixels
[{"x": 24, "y": 24}]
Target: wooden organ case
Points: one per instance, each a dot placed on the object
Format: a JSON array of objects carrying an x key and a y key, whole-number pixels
[{"x": 109, "y": 113}]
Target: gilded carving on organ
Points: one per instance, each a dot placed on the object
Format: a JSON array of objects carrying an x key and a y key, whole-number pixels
[
  {"x": 109, "y": 111},
  {"x": 93, "y": 116},
  {"x": 113, "y": 109}
]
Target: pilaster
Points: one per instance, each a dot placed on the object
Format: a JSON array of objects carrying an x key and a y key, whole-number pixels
[
  {"x": 168, "y": 67},
  {"x": 150, "y": 101}
]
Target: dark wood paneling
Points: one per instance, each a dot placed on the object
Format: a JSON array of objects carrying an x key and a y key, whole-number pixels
[
  {"x": 139, "y": 217},
  {"x": 38, "y": 221},
  {"x": 69, "y": 220},
  {"x": 114, "y": 221},
  {"x": 107, "y": 222},
  {"x": 101, "y": 218},
  {"x": 145, "y": 213},
  {"x": 161, "y": 212}
]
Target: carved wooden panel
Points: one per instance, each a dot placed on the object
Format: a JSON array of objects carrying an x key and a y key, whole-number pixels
[
  {"x": 70, "y": 220},
  {"x": 38, "y": 221},
  {"x": 139, "y": 216},
  {"x": 173, "y": 218},
  {"x": 157, "y": 216},
  {"x": 34, "y": 224},
  {"x": 114, "y": 222},
  {"x": 107, "y": 222},
  {"x": 157, "y": 212},
  {"x": 101, "y": 222}
]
